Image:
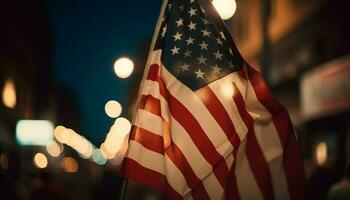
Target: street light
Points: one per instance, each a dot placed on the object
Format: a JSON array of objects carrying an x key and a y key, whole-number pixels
[{"x": 225, "y": 8}]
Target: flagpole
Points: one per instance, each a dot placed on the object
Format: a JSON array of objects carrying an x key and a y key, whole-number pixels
[
  {"x": 122, "y": 193},
  {"x": 154, "y": 39}
]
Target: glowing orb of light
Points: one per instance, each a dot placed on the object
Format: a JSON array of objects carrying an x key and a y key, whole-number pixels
[
  {"x": 225, "y": 8},
  {"x": 123, "y": 67},
  {"x": 113, "y": 109},
  {"x": 40, "y": 161}
]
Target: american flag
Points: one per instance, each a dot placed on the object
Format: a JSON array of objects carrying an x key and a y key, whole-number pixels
[{"x": 206, "y": 125}]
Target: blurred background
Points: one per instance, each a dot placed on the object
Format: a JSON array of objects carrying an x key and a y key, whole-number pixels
[{"x": 70, "y": 71}]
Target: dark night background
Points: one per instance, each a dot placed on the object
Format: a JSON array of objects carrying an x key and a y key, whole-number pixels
[{"x": 87, "y": 39}]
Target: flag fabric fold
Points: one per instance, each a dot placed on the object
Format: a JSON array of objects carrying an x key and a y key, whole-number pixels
[{"x": 206, "y": 126}]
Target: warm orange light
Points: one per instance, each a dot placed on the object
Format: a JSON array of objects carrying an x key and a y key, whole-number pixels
[
  {"x": 321, "y": 153},
  {"x": 9, "y": 97},
  {"x": 40, "y": 161},
  {"x": 53, "y": 149},
  {"x": 69, "y": 165}
]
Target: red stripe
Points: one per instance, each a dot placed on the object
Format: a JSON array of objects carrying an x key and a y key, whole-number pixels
[
  {"x": 292, "y": 159},
  {"x": 253, "y": 151},
  {"x": 151, "y": 104},
  {"x": 148, "y": 139},
  {"x": 218, "y": 111},
  {"x": 232, "y": 191},
  {"x": 135, "y": 171},
  {"x": 192, "y": 127},
  {"x": 154, "y": 142},
  {"x": 178, "y": 158}
]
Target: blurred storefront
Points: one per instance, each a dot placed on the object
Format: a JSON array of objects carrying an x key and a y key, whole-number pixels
[{"x": 301, "y": 47}]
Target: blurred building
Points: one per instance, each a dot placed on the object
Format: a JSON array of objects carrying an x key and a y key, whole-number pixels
[
  {"x": 301, "y": 48},
  {"x": 28, "y": 91}
]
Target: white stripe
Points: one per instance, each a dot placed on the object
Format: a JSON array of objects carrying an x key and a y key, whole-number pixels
[
  {"x": 175, "y": 178},
  {"x": 269, "y": 141},
  {"x": 219, "y": 88},
  {"x": 266, "y": 135},
  {"x": 157, "y": 162},
  {"x": 192, "y": 103},
  {"x": 198, "y": 163},
  {"x": 201, "y": 168},
  {"x": 273, "y": 153},
  {"x": 247, "y": 186},
  {"x": 152, "y": 88},
  {"x": 215, "y": 191},
  {"x": 146, "y": 158},
  {"x": 149, "y": 121}
]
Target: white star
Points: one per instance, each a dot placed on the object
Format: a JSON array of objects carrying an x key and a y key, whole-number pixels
[
  {"x": 205, "y": 21},
  {"x": 202, "y": 9},
  {"x": 175, "y": 50},
  {"x": 192, "y": 12},
  {"x": 187, "y": 53},
  {"x": 199, "y": 74},
  {"x": 201, "y": 60},
  {"x": 177, "y": 36},
  {"x": 230, "y": 65},
  {"x": 218, "y": 55},
  {"x": 206, "y": 33},
  {"x": 204, "y": 45},
  {"x": 222, "y": 35},
  {"x": 189, "y": 41},
  {"x": 170, "y": 6},
  {"x": 184, "y": 67},
  {"x": 181, "y": 7},
  {"x": 164, "y": 31},
  {"x": 192, "y": 26},
  {"x": 216, "y": 69},
  {"x": 218, "y": 41},
  {"x": 180, "y": 22}
]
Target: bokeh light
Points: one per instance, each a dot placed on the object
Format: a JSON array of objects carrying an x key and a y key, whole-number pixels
[
  {"x": 225, "y": 8},
  {"x": 113, "y": 109},
  {"x": 123, "y": 67},
  {"x": 34, "y": 132},
  {"x": 69, "y": 165},
  {"x": 40, "y": 161},
  {"x": 59, "y": 133},
  {"x": 98, "y": 157},
  {"x": 9, "y": 97},
  {"x": 53, "y": 149},
  {"x": 115, "y": 143},
  {"x": 122, "y": 126},
  {"x": 321, "y": 153}
]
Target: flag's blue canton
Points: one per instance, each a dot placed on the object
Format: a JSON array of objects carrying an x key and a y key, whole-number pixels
[{"x": 194, "y": 50}]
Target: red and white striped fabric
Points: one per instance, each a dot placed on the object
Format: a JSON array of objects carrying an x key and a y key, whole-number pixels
[
  {"x": 207, "y": 145},
  {"x": 229, "y": 139}
]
